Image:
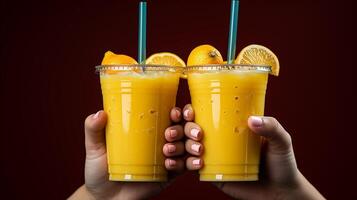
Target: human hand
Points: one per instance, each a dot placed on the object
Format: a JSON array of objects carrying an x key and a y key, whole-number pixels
[
  {"x": 97, "y": 184},
  {"x": 279, "y": 178}
]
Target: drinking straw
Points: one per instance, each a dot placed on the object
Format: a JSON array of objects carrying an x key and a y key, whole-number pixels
[
  {"x": 232, "y": 38},
  {"x": 142, "y": 32}
]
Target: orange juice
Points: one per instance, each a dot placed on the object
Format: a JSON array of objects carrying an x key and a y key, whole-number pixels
[
  {"x": 138, "y": 105},
  {"x": 223, "y": 97}
]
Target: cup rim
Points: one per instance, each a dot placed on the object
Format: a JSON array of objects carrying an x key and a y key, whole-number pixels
[
  {"x": 228, "y": 67},
  {"x": 138, "y": 68}
]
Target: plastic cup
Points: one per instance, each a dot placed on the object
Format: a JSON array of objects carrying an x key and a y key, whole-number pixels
[
  {"x": 138, "y": 105},
  {"x": 223, "y": 97}
]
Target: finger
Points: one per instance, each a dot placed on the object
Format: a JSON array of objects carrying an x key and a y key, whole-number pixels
[
  {"x": 175, "y": 114},
  {"x": 193, "y": 147},
  {"x": 173, "y": 149},
  {"x": 188, "y": 113},
  {"x": 174, "y": 164},
  {"x": 174, "y": 133},
  {"x": 94, "y": 127},
  {"x": 193, "y": 131},
  {"x": 194, "y": 163},
  {"x": 279, "y": 141}
]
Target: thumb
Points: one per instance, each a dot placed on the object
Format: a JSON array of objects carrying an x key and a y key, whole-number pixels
[
  {"x": 94, "y": 127},
  {"x": 279, "y": 141}
]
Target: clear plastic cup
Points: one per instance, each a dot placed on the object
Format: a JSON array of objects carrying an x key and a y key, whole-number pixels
[
  {"x": 223, "y": 97},
  {"x": 138, "y": 100}
]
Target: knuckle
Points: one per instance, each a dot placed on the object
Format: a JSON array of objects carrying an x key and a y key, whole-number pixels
[
  {"x": 275, "y": 123},
  {"x": 280, "y": 130},
  {"x": 289, "y": 140}
]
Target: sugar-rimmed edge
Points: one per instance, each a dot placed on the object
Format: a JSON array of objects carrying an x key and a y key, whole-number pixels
[
  {"x": 138, "y": 68},
  {"x": 228, "y": 67}
]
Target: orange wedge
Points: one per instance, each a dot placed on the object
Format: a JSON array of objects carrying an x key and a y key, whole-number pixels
[
  {"x": 165, "y": 58},
  {"x": 111, "y": 58},
  {"x": 259, "y": 55},
  {"x": 204, "y": 55}
]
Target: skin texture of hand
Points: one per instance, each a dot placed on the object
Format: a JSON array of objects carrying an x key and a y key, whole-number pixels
[
  {"x": 280, "y": 177},
  {"x": 97, "y": 184}
]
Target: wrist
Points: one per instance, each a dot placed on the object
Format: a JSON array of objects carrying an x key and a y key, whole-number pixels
[
  {"x": 305, "y": 190},
  {"x": 82, "y": 193}
]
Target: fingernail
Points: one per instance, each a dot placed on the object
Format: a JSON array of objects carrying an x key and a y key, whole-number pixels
[
  {"x": 172, "y": 162},
  {"x": 196, "y": 147},
  {"x": 178, "y": 113},
  {"x": 173, "y": 133},
  {"x": 194, "y": 132},
  {"x": 196, "y": 162},
  {"x": 96, "y": 115},
  {"x": 185, "y": 113},
  {"x": 256, "y": 121},
  {"x": 171, "y": 148}
]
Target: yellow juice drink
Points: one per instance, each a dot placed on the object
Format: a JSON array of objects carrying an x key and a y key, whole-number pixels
[
  {"x": 223, "y": 97},
  {"x": 138, "y": 105}
]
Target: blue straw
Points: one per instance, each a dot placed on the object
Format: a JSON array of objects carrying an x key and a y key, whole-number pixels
[
  {"x": 232, "y": 38},
  {"x": 142, "y": 33}
]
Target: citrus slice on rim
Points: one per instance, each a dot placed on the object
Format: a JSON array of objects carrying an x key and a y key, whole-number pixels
[
  {"x": 259, "y": 55},
  {"x": 111, "y": 58},
  {"x": 165, "y": 58}
]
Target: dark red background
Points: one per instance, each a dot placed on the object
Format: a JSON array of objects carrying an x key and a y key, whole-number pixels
[{"x": 48, "y": 85}]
